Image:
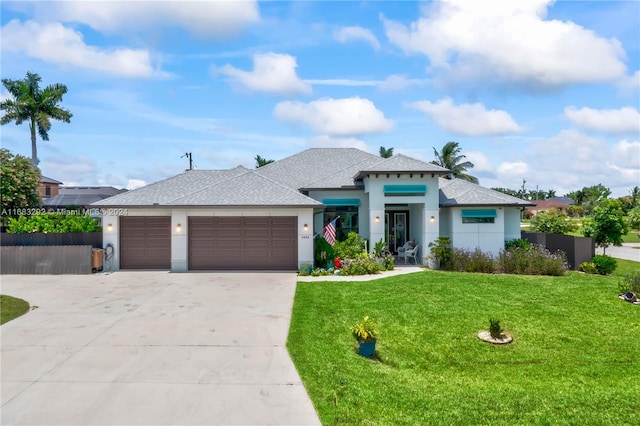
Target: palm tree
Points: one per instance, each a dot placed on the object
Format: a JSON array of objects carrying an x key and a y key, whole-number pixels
[
  {"x": 386, "y": 153},
  {"x": 260, "y": 161},
  {"x": 450, "y": 158},
  {"x": 37, "y": 106}
]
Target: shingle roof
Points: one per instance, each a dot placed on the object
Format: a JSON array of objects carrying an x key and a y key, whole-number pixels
[
  {"x": 319, "y": 168},
  {"x": 234, "y": 187},
  {"x": 458, "y": 192},
  {"x": 404, "y": 164},
  {"x": 81, "y": 195},
  {"x": 44, "y": 179}
]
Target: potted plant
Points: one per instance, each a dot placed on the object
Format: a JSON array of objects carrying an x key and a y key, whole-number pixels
[{"x": 366, "y": 333}]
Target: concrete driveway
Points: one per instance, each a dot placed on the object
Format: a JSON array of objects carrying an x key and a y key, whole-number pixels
[{"x": 152, "y": 348}]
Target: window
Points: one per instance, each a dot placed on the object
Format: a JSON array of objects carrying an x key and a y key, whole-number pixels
[
  {"x": 347, "y": 222},
  {"x": 479, "y": 216},
  {"x": 47, "y": 190}
]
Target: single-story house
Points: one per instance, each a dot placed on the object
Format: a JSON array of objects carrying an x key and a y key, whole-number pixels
[
  {"x": 267, "y": 218},
  {"x": 556, "y": 203}
]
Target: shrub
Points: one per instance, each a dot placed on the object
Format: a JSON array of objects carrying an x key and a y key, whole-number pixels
[
  {"x": 535, "y": 261},
  {"x": 350, "y": 248},
  {"x": 53, "y": 223},
  {"x": 443, "y": 253},
  {"x": 630, "y": 282},
  {"x": 323, "y": 252},
  {"x": 495, "y": 329},
  {"x": 605, "y": 265},
  {"x": 363, "y": 265},
  {"x": 518, "y": 242},
  {"x": 588, "y": 268},
  {"x": 472, "y": 261},
  {"x": 633, "y": 218},
  {"x": 553, "y": 222},
  {"x": 365, "y": 331}
]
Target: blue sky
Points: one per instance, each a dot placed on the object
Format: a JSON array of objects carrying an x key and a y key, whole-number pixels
[{"x": 537, "y": 90}]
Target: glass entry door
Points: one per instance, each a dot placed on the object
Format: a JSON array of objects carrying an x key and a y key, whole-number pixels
[{"x": 397, "y": 229}]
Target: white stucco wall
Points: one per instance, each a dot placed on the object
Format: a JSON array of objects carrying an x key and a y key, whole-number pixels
[
  {"x": 512, "y": 223},
  {"x": 179, "y": 235},
  {"x": 488, "y": 237}
]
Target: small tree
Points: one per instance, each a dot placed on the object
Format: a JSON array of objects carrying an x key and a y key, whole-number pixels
[
  {"x": 634, "y": 218},
  {"x": 18, "y": 183},
  {"x": 553, "y": 222},
  {"x": 386, "y": 152},
  {"x": 607, "y": 224},
  {"x": 260, "y": 161}
]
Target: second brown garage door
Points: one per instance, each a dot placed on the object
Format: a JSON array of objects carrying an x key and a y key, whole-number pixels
[
  {"x": 243, "y": 243},
  {"x": 145, "y": 242}
]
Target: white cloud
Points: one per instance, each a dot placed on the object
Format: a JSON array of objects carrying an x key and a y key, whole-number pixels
[
  {"x": 513, "y": 170},
  {"x": 630, "y": 84},
  {"x": 626, "y": 155},
  {"x": 346, "y": 34},
  {"x": 481, "y": 162},
  {"x": 468, "y": 119},
  {"x": 202, "y": 18},
  {"x": 509, "y": 40},
  {"x": 63, "y": 46},
  {"x": 343, "y": 82},
  {"x": 617, "y": 121},
  {"x": 135, "y": 183},
  {"x": 400, "y": 82},
  {"x": 272, "y": 72},
  {"x": 346, "y": 116}
]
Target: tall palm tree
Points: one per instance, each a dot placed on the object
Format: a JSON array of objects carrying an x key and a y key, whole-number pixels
[
  {"x": 37, "y": 106},
  {"x": 450, "y": 158},
  {"x": 386, "y": 152}
]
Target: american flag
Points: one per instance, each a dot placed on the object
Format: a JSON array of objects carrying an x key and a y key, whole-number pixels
[{"x": 329, "y": 232}]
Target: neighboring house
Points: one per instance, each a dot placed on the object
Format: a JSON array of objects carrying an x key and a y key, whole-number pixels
[
  {"x": 48, "y": 187},
  {"x": 80, "y": 196},
  {"x": 557, "y": 203},
  {"x": 266, "y": 218}
]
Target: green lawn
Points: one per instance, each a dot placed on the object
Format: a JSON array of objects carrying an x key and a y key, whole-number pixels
[
  {"x": 574, "y": 359},
  {"x": 11, "y": 307}
]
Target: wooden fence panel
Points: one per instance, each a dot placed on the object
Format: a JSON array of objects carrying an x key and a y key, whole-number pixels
[
  {"x": 94, "y": 239},
  {"x": 45, "y": 260},
  {"x": 577, "y": 249}
]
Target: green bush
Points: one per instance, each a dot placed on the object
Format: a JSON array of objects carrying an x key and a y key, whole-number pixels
[
  {"x": 472, "y": 261},
  {"x": 350, "y": 248},
  {"x": 633, "y": 217},
  {"x": 323, "y": 252},
  {"x": 553, "y": 222},
  {"x": 53, "y": 223},
  {"x": 363, "y": 265},
  {"x": 535, "y": 261},
  {"x": 630, "y": 282},
  {"x": 495, "y": 329},
  {"x": 605, "y": 265},
  {"x": 518, "y": 242},
  {"x": 588, "y": 268},
  {"x": 441, "y": 250}
]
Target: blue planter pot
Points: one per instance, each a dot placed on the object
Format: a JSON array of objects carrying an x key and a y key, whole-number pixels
[{"x": 367, "y": 349}]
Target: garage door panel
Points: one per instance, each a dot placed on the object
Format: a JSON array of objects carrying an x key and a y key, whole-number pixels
[
  {"x": 145, "y": 242},
  {"x": 243, "y": 243}
]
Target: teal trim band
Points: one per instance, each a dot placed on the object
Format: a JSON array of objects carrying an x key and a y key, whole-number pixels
[
  {"x": 405, "y": 189},
  {"x": 479, "y": 213},
  {"x": 340, "y": 202}
]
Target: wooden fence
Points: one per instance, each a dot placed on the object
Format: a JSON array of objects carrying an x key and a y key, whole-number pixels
[
  {"x": 94, "y": 239},
  {"x": 46, "y": 259},
  {"x": 577, "y": 249}
]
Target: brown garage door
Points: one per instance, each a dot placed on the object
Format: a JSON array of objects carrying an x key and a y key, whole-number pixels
[
  {"x": 145, "y": 242},
  {"x": 243, "y": 243}
]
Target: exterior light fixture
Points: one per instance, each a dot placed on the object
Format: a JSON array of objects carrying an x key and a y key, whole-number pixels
[
  {"x": 306, "y": 227},
  {"x": 178, "y": 228},
  {"x": 432, "y": 219},
  {"x": 109, "y": 227},
  {"x": 377, "y": 219}
]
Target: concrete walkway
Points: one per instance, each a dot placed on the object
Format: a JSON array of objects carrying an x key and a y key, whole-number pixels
[{"x": 152, "y": 348}]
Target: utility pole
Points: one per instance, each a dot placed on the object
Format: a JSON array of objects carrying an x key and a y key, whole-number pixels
[{"x": 188, "y": 155}]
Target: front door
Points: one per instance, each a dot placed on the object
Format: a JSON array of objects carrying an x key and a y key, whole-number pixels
[{"x": 397, "y": 229}]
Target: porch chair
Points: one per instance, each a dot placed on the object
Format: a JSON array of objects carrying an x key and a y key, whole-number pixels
[
  {"x": 406, "y": 246},
  {"x": 411, "y": 254}
]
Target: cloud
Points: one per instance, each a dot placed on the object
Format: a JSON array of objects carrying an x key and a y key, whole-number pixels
[
  {"x": 630, "y": 85},
  {"x": 468, "y": 119},
  {"x": 626, "y": 155},
  {"x": 272, "y": 72},
  {"x": 344, "y": 82},
  {"x": 218, "y": 19},
  {"x": 510, "y": 41},
  {"x": 400, "y": 82},
  {"x": 63, "y": 46},
  {"x": 513, "y": 170},
  {"x": 481, "y": 162},
  {"x": 346, "y": 116},
  {"x": 355, "y": 33},
  {"x": 135, "y": 183},
  {"x": 617, "y": 121}
]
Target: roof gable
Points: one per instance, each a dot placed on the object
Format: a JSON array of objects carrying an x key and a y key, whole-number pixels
[{"x": 400, "y": 163}]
